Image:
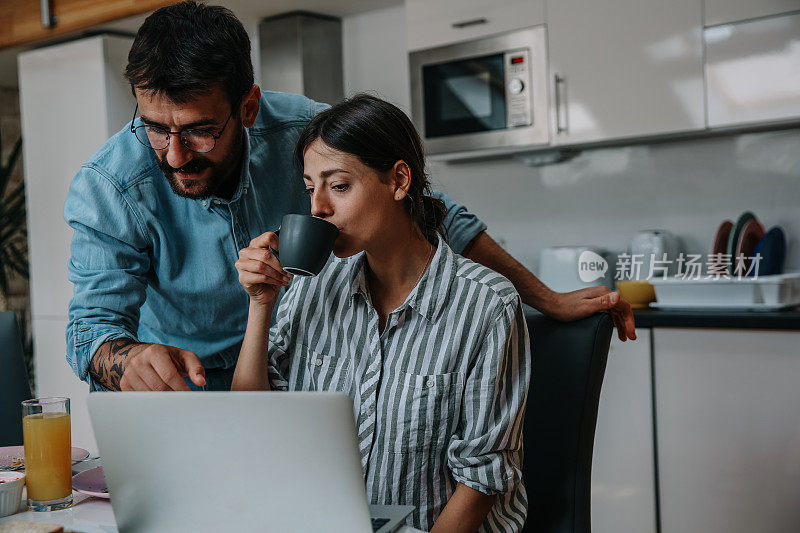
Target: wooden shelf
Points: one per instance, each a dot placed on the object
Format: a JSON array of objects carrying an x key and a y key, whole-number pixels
[{"x": 21, "y": 20}]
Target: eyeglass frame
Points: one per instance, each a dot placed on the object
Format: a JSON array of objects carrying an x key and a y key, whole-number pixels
[{"x": 178, "y": 133}]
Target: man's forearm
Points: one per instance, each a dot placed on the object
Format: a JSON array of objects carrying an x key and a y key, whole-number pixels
[
  {"x": 109, "y": 362},
  {"x": 567, "y": 306},
  {"x": 484, "y": 250}
]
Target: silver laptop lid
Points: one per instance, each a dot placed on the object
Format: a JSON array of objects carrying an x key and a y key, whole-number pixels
[{"x": 231, "y": 461}]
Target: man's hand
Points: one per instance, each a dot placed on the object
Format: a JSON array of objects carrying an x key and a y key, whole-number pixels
[
  {"x": 579, "y": 304},
  {"x": 123, "y": 364}
]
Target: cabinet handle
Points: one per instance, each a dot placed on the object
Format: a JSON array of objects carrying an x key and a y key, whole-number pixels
[
  {"x": 467, "y": 23},
  {"x": 48, "y": 19},
  {"x": 560, "y": 82}
]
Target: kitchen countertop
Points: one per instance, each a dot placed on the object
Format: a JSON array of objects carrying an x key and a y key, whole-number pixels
[{"x": 786, "y": 319}]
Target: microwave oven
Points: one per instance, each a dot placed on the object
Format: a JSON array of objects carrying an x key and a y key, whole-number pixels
[{"x": 483, "y": 96}]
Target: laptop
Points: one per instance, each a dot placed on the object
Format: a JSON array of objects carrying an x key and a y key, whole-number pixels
[{"x": 235, "y": 461}]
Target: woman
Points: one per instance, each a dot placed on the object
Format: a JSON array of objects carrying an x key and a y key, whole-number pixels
[{"x": 432, "y": 347}]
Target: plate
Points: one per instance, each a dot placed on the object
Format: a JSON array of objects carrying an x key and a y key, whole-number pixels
[
  {"x": 720, "y": 245},
  {"x": 733, "y": 240},
  {"x": 14, "y": 456},
  {"x": 751, "y": 234},
  {"x": 772, "y": 248},
  {"x": 91, "y": 482}
]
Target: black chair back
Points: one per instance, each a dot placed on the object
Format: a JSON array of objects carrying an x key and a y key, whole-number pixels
[
  {"x": 569, "y": 361},
  {"x": 14, "y": 386}
]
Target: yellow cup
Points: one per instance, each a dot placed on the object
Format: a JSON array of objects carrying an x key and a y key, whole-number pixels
[
  {"x": 638, "y": 293},
  {"x": 48, "y": 453}
]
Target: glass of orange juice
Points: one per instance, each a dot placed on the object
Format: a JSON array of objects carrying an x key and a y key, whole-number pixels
[{"x": 48, "y": 462}]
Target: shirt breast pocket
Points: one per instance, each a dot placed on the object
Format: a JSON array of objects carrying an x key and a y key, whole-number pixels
[
  {"x": 325, "y": 372},
  {"x": 429, "y": 414}
]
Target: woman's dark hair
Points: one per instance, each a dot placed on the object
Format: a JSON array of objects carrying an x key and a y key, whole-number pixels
[
  {"x": 186, "y": 49},
  {"x": 380, "y": 135}
]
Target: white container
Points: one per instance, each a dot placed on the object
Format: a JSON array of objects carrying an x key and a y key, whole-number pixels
[
  {"x": 11, "y": 484},
  {"x": 763, "y": 293},
  {"x": 653, "y": 244},
  {"x": 559, "y": 267}
]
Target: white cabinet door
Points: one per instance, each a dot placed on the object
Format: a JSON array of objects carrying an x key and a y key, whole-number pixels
[
  {"x": 728, "y": 425},
  {"x": 629, "y": 68},
  {"x": 61, "y": 128},
  {"x": 753, "y": 71},
  {"x": 72, "y": 98},
  {"x": 724, "y": 11},
  {"x": 623, "y": 480},
  {"x": 439, "y": 22}
]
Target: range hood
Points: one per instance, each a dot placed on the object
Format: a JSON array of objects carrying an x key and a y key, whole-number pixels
[{"x": 301, "y": 53}]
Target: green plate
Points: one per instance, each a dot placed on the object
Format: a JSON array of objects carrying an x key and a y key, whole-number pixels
[{"x": 743, "y": 219}]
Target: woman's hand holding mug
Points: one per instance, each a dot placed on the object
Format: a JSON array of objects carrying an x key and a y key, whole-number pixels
[{"x": 260, "y": 272}]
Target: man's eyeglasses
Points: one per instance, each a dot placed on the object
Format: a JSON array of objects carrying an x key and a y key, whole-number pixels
[{"x": 157, "y": 138}]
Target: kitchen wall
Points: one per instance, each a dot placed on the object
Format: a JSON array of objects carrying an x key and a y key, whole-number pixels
[{"x": 602, "y": 196}]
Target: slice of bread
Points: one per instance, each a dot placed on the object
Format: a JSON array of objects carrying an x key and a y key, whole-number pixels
[{"x": 30, "y": 527}]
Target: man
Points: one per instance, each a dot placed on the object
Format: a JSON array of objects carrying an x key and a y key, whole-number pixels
[{"x": 161, "y": 210}]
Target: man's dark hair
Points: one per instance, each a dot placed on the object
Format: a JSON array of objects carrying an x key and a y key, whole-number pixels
[
  {"x": 186, "y": 49},
  {"x": 380, "y": 135}
]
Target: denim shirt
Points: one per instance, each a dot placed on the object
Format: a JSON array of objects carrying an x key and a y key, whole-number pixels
[{"x": 155, "y": 267}]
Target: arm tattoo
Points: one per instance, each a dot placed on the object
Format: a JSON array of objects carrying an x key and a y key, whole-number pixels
[{"x": 110, "y": 361}]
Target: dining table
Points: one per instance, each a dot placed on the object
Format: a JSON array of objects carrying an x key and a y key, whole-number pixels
[{"x": 89, "y": 514}]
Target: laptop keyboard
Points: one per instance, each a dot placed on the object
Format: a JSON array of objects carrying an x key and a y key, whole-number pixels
[{"x": 378, "y": 523}]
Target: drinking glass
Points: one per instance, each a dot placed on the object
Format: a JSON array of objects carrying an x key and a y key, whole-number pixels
[{"x": 48, "y": 458}]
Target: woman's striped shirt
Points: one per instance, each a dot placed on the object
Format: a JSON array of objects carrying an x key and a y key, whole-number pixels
[{"x": 439, "y": 395}]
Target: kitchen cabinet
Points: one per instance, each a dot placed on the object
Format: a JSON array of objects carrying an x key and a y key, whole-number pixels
[
  {"x": 624, "y": 68},
  {"x": 753, "y": 71},
  {"x": 432, "y": 23},
  {"x": 728, "y": 430},
  {"x": 724, "y": 11},
  {"x": 72, "y": 98},
  {"x": 21, "y": 20},
  {"x": 623, "y": 478}
]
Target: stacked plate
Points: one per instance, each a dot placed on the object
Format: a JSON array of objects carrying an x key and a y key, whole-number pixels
[{"x": 747, "y": 237}]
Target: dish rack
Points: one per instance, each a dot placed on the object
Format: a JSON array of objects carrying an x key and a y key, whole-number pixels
[{"x": 765, "y": 293}]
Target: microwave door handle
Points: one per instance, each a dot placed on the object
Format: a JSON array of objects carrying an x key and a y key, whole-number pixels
[{"x": 560, "y": 82}]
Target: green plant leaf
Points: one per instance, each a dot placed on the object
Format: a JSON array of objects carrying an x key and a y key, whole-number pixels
[
  {"x": 3, "y": 279},
  {"x": 12, "y": 221},
  {"x": 15, "y": 195},
  {"x": 8, "y": 169},
  {"x": 17, "y": 260},
  {"x": 12, "y": 211}
]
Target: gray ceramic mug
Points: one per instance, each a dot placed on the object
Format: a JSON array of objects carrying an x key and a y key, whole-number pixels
[{"x": 306, "y": 243}]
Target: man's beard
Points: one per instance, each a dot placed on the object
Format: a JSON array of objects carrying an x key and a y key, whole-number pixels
[{"x": 221, "y": 178}]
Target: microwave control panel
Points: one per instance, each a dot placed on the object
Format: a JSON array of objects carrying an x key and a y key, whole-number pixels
[{"x": 518, "y": 88}]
